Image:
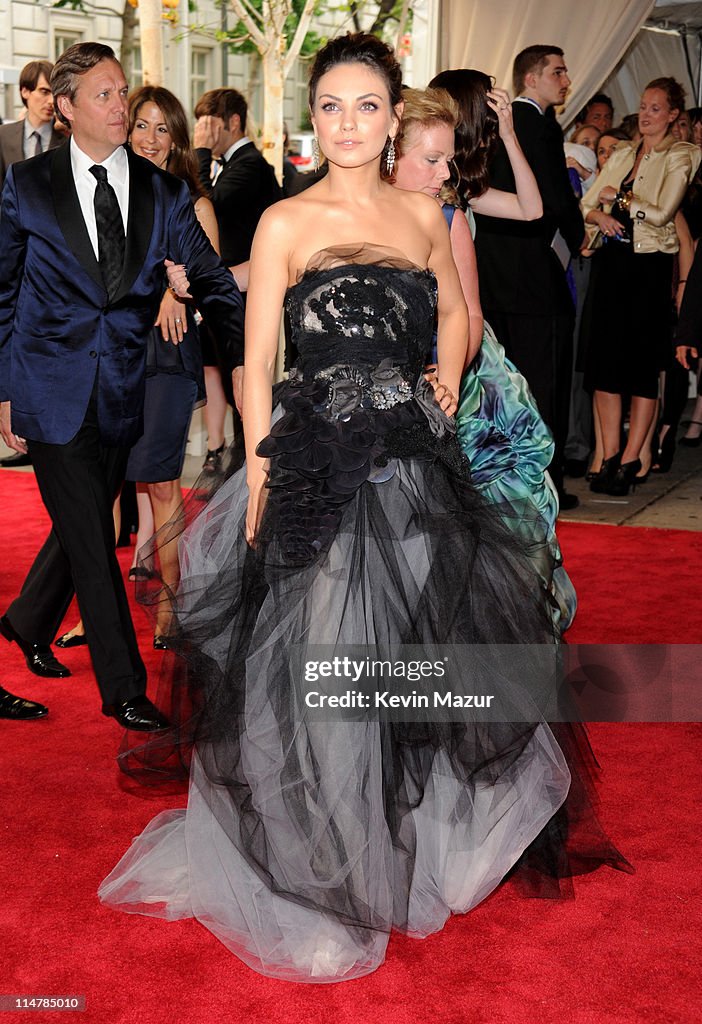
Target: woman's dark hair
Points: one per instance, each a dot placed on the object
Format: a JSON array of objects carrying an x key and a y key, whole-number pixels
[
  {"x": 673, "y": 90},
  {"x": 365, "y": 49},
  {"x": 181, "y": 160},
  {"x": 615, "y": 133},
  {"x": 477, "y": 129},
  {"x": 358, "y": 48}
]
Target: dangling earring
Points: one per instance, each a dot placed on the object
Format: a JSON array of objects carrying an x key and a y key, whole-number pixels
[
  {"x": 315, "y": 153},
  {"x": 390, "y": 157}
]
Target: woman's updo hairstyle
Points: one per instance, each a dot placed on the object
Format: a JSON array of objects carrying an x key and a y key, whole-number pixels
[
  {"x": 477, "y": 131},
  {"x": 675, "y": 94},
  {"x": 372, "y": 53},
  {"x": 423, "y": 109}
]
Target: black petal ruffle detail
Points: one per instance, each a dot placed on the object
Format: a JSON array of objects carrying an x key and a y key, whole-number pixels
[{"x": 327, "y": 445}]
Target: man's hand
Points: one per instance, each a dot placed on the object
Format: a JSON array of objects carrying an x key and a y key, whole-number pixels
[
  {"x": 18, "y": 444},
  {"x": 683, "y": 354},
  {"x": 206, "y": 132},
  {"x": 238, "y": 388},
  {"x": 171, "y": 318}
]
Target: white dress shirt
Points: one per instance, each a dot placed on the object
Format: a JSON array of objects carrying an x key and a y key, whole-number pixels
[{"x": 117, "y": 167}]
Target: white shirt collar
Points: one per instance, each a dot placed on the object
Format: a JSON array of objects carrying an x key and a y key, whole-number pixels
[
  {"x": 115, "y": 165},
  {"x": 234, "y": 146}
]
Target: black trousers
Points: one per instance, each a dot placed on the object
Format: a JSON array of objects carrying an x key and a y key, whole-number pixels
[
  {"x": 78, "y": 482},
  {"x": 541, "y": 347}
]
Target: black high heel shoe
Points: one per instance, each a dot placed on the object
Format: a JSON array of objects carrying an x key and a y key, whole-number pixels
[
  {"x": 664, "y": 452},
  {"x": 601, "y": 480},
  {"x": 624, "y": 478},
  {"x": 692, "y": 442}
]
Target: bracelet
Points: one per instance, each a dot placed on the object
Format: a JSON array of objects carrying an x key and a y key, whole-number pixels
[{"x": 683, "y": 280}]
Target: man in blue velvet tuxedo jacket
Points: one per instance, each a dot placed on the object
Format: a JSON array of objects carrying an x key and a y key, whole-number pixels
[{"x": 73, "y": 332}]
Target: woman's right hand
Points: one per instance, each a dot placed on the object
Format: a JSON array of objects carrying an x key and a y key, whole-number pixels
[
  {"x": 258, "y": 493},
  {"x": 608, "y": 225},
  {"x": 499, "y": 101}
]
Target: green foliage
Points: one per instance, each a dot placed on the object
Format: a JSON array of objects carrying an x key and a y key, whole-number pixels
[{"x": 72, "y": 5}]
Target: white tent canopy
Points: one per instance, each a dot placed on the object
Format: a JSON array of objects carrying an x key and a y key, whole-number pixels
[
  {"x": 669, "y": 43},
  {"x": 611, "y": 46}
]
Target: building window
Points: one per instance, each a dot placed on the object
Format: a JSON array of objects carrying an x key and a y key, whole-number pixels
[
  {"x": 63, "y": 38},
  {"x": 200, "y": 72},
  {"x": 133, "y": 67}
]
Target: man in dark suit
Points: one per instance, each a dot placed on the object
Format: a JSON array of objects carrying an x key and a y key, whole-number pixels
[
  {"x": 523, "y": 285},
  {"x": 35, "y": 133},
  {"x": 28, "y": 137},
  {"x": 241, "y": 190},
  {"x": 84, "y": 231}
]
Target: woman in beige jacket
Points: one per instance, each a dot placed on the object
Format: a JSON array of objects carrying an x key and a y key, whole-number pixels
[{"x": 629, "y": 211}]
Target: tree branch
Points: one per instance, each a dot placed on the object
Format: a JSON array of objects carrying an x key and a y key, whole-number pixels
[
  {"x": 278, "y": 12},
  {"x": 299, "y": 37},
  {"x": 385, "y": 9},
  {"x": 247, "y": 15}
]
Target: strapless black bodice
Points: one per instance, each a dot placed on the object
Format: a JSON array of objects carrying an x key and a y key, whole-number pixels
[{"x": 358, "y": 306}]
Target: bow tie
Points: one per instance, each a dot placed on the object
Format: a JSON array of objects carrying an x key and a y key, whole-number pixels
[{"x": 220, "y": 160}]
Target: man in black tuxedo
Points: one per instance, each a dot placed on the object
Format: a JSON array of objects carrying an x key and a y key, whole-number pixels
[
  {"x": 243, "y": 187},
  {"x": 84, "y": 233},
  {"x": 523, "y": 285}
]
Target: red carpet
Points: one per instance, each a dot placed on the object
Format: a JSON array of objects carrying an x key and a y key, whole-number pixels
[{"x": 625, "y": 951}]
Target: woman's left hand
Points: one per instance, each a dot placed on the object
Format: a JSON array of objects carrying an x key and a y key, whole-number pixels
[
  {"x": 499, "y": 101},
  {"x": 444, "y": 397},
  {"x": 178, "y": 279},
  {"x": 171, "y": 318}
]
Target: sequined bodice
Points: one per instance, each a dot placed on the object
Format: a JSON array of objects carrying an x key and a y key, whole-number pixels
[{"x": 357, "y": 306}]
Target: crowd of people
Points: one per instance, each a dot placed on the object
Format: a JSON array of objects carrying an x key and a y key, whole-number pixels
[{"x": 451, "y": 278}]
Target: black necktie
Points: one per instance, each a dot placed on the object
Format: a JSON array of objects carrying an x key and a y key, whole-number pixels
[
  {"x": 110, "y": 230},
  {"x": 37, "y": 143}
]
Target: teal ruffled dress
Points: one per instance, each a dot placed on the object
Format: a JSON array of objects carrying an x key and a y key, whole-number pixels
[{"x": 510, "y": 448}]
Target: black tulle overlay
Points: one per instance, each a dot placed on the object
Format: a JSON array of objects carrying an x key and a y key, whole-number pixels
[{"x": 305, "y": 841}]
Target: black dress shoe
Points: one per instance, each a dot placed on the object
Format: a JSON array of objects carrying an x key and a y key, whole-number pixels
[
  {"x": 567, "y": 502},
  {"x": 40, "y": 659},
  {"x": 138, "y": 714},
  {"x": 14, "y": 461},
  {"x": 19, "y": 708},
  {"x": 160, "y": 642},
  {"x": 71, "y": 640}
]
